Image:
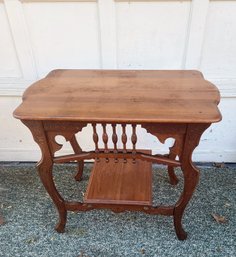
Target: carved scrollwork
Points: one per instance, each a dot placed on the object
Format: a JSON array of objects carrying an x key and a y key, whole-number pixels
[
  {"x": 165, "y": 131},
  {"x": 54, "y": 145},
  {"x": 65, "y": 129},
  {"x": 36, "y": 128}
]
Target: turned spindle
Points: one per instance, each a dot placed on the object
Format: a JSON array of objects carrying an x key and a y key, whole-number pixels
[
  {"x": 95, "y": 139},
  {"x": 105, "y": 140},
  {"x": 124, "y": 139},
  {"x": 114, "y": 139},
  {"x": 134, "y": 140}
]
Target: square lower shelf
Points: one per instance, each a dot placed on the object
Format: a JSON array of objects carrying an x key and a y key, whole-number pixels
[{"x": 120, "y": 183}]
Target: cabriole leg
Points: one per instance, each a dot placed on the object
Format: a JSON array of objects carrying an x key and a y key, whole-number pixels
[
  {"x": 175, "y": 150},
  {"x": 80, "y": 169},
  {"x": 191, "y": 175},
  {"x": 45, "y": 166},
  {"x": 46, "y": 176},
  {"x": 77, "y": 149},
  {"x": 173, "y": 178}
]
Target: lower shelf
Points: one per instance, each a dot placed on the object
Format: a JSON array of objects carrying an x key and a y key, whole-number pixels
[{"x": 120, "y": 183}]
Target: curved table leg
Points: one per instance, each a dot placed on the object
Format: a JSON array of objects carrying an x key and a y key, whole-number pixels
[
  {"x": 191, "y": 175},
  {"x": 175, "y": 150},
  {"x": 173, "y": 178},
  {"x": 80, "y": 169},
  {"x": 77, "y": 150},
  {"x": 45, "y": 171},
  {"x": 46, "y": 176}
]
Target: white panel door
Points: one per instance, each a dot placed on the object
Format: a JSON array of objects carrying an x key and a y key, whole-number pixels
[
  {"x": 9, "y": 66},
  {"x": 37, "y": 36},
  {"x": 63, "y": 35},
  {"x": 151, "y": 35}
]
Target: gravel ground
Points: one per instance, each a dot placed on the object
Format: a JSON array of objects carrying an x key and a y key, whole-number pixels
[{"x": 29, "y": 218}]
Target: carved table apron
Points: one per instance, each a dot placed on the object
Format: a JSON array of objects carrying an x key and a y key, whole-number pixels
[{"x": 167, "y": 104}]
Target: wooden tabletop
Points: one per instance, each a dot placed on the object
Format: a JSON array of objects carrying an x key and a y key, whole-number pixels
[{"x": 122, "y": 96}]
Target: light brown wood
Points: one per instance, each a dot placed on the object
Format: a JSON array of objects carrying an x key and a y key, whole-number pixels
[
  {"x": 153, "y": 210},
  {"x": 120, "y": 183},
  {"x": 182, "y": 74},
  {"x": 160, "y": 159},
  {"x": 167, "y": 104},
  {"x": 145, "y": 96}
]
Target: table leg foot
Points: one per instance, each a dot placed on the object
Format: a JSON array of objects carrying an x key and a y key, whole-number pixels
[
  {"x": 45, "y": 173},
  {"x": 181, "y": 234},
  {"x": 191, "y": 176},
  {"x": 60, "y": 227}
]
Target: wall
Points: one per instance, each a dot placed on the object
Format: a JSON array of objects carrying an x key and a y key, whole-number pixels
[{"x": 38, "y": 36}]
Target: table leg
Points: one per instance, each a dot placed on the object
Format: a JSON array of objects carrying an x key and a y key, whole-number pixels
[
  {"x": 175, "y": 151},
  {"x": 46, "y": 176},
  {"x": 77, "y": 150},
  {"x": 80, "y": 169},
  {"x": 45, "y": 166},
  {"x": 191, "y": 175},
  {"x": 173, "y": 178}
]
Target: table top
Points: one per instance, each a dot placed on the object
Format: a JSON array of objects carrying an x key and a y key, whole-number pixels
[{"x": 122, "y": 96}]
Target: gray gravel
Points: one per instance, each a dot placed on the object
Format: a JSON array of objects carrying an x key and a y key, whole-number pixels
[{"x": 30, "y": 218}]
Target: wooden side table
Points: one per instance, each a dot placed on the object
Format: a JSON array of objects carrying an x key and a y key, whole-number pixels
[{"x": 176, "y": 104}]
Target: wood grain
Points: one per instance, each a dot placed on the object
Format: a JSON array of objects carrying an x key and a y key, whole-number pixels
[
  {"x": 168, "y": 104},
  {"x": 121, "y": 96},
  {"x": 120, "y": 183}
]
